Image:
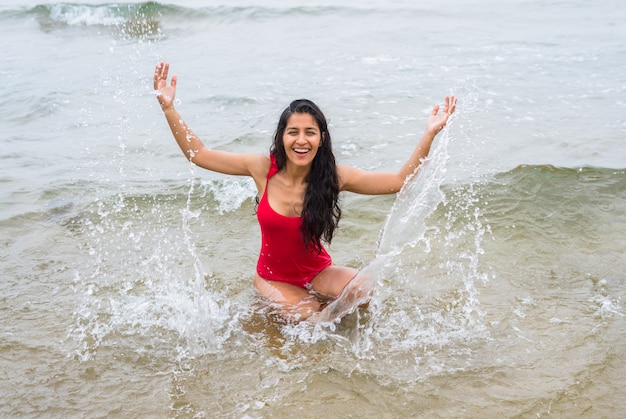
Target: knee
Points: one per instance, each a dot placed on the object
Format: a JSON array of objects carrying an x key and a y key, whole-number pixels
[{"x": 332, "y": 280}]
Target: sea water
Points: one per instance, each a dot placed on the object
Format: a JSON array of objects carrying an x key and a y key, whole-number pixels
[{"x": 498, "y": 271}]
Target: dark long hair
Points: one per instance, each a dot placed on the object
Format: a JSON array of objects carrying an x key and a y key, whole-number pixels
[{"x": 320, "y": 212}]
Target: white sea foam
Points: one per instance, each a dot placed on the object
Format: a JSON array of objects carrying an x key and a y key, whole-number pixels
[{"x": 85, "y": 15}]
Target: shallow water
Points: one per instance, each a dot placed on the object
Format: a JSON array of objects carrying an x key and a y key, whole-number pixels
[{"x": 499, "y": 268}]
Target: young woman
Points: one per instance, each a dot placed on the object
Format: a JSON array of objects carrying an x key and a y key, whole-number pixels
[{"x": 299, "y": 184}]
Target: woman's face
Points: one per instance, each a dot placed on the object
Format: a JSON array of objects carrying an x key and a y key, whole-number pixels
[{"x": 301, "y": 139}]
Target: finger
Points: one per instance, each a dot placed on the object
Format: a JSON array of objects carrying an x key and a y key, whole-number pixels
[
  {"x": 452, "y": 104},
  {"x": 157, "y": 70},
  {"x": 174, "y": 80},
  {"x": 158, "y": 75},
  {"x": 435, "y": 109},
  {"x": 166, "y": 69}
]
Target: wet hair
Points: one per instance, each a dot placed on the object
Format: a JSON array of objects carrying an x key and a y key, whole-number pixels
[{"x": 320, "y": 212}]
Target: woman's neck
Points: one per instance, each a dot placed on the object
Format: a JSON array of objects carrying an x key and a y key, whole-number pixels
[{"x": 296, "y": 175}]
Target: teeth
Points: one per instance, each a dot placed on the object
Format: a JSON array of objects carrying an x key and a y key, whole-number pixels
[{"x": 300, "y": 150}]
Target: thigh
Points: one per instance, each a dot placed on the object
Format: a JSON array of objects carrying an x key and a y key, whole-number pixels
[
  {"x": 332, "y": 280},
  {"x": 290, "y": 299}
]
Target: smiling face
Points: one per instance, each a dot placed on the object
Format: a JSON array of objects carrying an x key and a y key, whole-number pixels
[{"x": 301, "y": 139}]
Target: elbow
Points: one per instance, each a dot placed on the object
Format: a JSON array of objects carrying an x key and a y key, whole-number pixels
[
  {"x": 392, "y": 185},
  {"x": 190, "y": 154},
  {"x": 389, "y": 189},
  {"x": 398, "y": 183}
]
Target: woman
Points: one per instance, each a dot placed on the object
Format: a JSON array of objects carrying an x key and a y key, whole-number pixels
[{"x": 299, "y": 184}]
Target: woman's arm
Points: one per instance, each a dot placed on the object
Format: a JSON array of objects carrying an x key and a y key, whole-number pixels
[
  {"x": 190, "y": 144},
  {"x": 378, "y": 183}
]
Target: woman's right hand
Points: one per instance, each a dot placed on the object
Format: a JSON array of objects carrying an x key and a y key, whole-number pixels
[{"x": 165, "y": 93}]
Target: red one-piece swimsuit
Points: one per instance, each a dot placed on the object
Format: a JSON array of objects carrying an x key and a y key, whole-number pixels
[{"x": 284, "y": 256}]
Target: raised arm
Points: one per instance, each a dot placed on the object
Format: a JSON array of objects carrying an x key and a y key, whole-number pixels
[
  {"x": 379, "y": 183},
  {"x": 192, "y": 147}
]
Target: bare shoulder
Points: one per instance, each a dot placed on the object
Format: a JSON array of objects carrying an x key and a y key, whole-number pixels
[{"x": 258, "y": 165}]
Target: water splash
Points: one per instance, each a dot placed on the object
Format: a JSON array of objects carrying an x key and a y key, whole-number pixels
[
  {"x": 230, "y": 193},
  {"x": 425, "y": 273},
  {"x": 143, "y": 281},
  {"x": 405, "y": 226}
]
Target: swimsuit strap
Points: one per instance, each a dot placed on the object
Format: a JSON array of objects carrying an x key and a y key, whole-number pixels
[{"x": 273, "y": 167}]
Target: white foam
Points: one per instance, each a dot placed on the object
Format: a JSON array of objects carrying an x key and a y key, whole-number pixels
[{"x": 83, "y": 15}]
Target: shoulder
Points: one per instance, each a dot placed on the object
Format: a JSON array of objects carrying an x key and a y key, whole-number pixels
[{"x": 259, "y": 165}]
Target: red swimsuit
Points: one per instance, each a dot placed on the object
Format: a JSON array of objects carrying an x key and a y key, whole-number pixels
[{"x": 284, "y": 257}]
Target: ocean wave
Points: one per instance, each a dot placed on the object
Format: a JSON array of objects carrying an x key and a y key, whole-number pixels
[
  {"x": 115, "y": 14},
  {"x": 592, "y": 185},
  {"x": 146, "y": 21},
  {"x": 542, "y": 211},
  {"x": 566, "y": 207},
  {"x": 525, "y": 192},
  {"x": 130, "y": 19}
]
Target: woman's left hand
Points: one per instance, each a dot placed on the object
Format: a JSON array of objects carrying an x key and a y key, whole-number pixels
[{"x": 436, "y": 120}]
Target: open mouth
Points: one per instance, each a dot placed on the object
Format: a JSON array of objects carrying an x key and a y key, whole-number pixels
[{"x": 301, "y": 151}]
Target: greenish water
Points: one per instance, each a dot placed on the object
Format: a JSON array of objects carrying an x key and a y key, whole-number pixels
[{"x": 127, "y": 273}]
